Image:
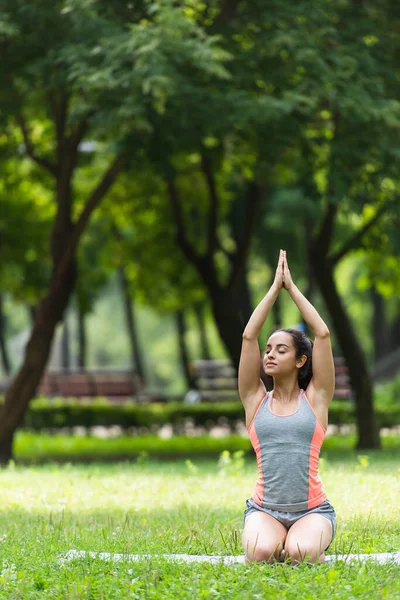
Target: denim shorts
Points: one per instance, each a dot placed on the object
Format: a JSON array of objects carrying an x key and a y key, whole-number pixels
[{"x": 289, "y": 518}]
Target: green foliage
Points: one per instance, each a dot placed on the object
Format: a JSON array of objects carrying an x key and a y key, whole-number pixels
[
  {"x": 388, "y": 394},
  {"x": 26, "y": 212},
  {"x": 41, "y": 447},
  {"x": 33, "y": 448},
  {"x": 76, "y": 71},
  {"x": 59, "y": 413},
  {"x": 299, "y": 96}
]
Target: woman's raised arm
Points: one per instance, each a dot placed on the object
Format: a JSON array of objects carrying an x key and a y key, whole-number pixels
[
  {"x": 250, "y": 384},
  {"x": 323, "y": 379}
]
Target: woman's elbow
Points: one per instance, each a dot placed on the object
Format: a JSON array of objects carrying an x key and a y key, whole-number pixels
[
  {"x": 247, "y": 335},
  {"x": 323, "y": 333}
]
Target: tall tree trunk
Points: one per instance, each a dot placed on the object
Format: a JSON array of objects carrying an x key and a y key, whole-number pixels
[
  {"x": 277, "y": 313},
  {"x": 309, "y": 295},
  {"x": 32, "y": 310},
  {"x": 361, "y": 382},
  {"x": 380, "y": 332},
  {"x": 64, "y": 241},
  {"x": 82, "y": 338},
  {"x": 231, "y": 303},
  {"x": 204, "y": 345},
  {"x": 65, "y": 344},
  {"x": 229, "y": 318},
  {"x": 136, "y": 352},
  {"x": 276, "y": 310},
  {"x": 244, "y": 299},
  {"x": 5, "y": 361},
  {"x": 183, "y": 350},
  {"x": 23, "y": 388},
  {"x": 394, "y": 337}
]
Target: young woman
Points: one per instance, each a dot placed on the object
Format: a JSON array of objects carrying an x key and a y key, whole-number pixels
[{"x": 289, "y": 515}]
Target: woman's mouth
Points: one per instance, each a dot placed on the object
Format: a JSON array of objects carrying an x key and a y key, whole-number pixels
[{"x": 270, "y": 364}]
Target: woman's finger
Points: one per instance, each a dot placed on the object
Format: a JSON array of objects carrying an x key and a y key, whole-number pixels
[{"x": 280, "y": 261}]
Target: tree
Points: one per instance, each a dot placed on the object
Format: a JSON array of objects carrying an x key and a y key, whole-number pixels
[
  {"x": 316, "y": 81},
  {"x": 73, "y": 72}
]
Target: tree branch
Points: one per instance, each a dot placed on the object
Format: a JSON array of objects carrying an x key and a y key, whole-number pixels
[
  {"x": 187, "y": 248},
  {"x": 59, "y": 110},
  {"x": 213, "y": 213},
  {"x": 42, "y": 162},
  {"x": 355, "y": 241},
  {"x": 77, "y": 133},
  {"x": 253, "y": 202},
  {"x": 94, "y": 200},
  {"x": 323, "y": 239}
]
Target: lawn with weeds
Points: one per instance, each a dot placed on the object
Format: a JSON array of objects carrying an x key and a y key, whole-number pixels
[{"x": 186, "y": 506}]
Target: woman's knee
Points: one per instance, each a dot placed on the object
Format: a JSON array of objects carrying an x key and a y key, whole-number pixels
[
  {"x": 302, "y": 553},
  {"x": 264, "y": 552},
  {"x": 263, "y": 538}
]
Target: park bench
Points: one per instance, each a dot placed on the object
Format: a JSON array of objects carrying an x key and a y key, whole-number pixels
[
  {"x": 216, "y": 380},
  {"x": 116, "y": 385}
]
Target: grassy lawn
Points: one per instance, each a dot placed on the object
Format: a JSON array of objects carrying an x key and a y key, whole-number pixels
[{"x": 186, "y": 506}]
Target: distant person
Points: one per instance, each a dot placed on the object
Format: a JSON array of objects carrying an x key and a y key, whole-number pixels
[{"x": 289, "y": 515}]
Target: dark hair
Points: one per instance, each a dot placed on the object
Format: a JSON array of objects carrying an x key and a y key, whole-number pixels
[{"x": 303, "y": 347}]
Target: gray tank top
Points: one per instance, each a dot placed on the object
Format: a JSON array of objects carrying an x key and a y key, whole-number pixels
[{"x": 287, "y": 448}]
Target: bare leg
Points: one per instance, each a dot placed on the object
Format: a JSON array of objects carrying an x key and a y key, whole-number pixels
[
  {"x": 263, "y": 538},
  {"x": 308, "y": 538}
]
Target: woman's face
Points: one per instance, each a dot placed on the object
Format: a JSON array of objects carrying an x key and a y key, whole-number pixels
[{"x": 280, "y": 355}]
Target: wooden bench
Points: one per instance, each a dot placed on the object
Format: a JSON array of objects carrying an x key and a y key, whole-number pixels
[
  {"x": 88, "y": 383},
  {"x": 217, "y": 380}
]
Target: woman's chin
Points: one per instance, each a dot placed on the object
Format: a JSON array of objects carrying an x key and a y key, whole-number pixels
[{"x": 271, "y": 371}]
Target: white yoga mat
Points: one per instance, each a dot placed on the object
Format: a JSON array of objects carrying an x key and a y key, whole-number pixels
[{"x": 383, "y": 558}]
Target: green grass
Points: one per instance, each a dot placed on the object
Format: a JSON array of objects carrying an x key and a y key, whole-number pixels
[
  {"x": 185, "y": 506},
  {"x": 36, "y": 448}
]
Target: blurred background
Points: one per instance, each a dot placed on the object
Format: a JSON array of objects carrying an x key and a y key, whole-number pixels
[{"x": 155, "y": 156}]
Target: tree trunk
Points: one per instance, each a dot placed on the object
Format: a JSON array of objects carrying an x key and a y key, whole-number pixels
[
  {"x": 277, "y": 313},
  {"x": 136, "y": 352},
  {"x": 394, "y": 337},
  {"x": 276, "y": 310},
  {"x": 23, "y": 388},
  {"x": 231, "y": 304},
  {"x": 5, "y": 361},
  {"x": 64, "y": 241},
  {"x": 65, "y": 345},
  {"x": 183, "y": 350},
  {"x": 6, "y": 444},
  {"x": 231, "y": 321},
  {"x": 379, "y": 325},
  {"x": 82, "y": 338},
  {"x": 309, "y": 295},
  {"x": 361, "y": 382},
  {"x": 231, "y": 309},
  {"x": 245, "y": 301},
  {"x": 204, "y": 345},
  {"x": 32, "y": 309}
]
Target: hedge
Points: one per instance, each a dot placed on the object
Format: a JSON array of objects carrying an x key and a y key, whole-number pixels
[{"x": 59, "y": 413}]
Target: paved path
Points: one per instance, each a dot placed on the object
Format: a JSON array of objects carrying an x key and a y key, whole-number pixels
[{"x": 383, "y": 558}]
